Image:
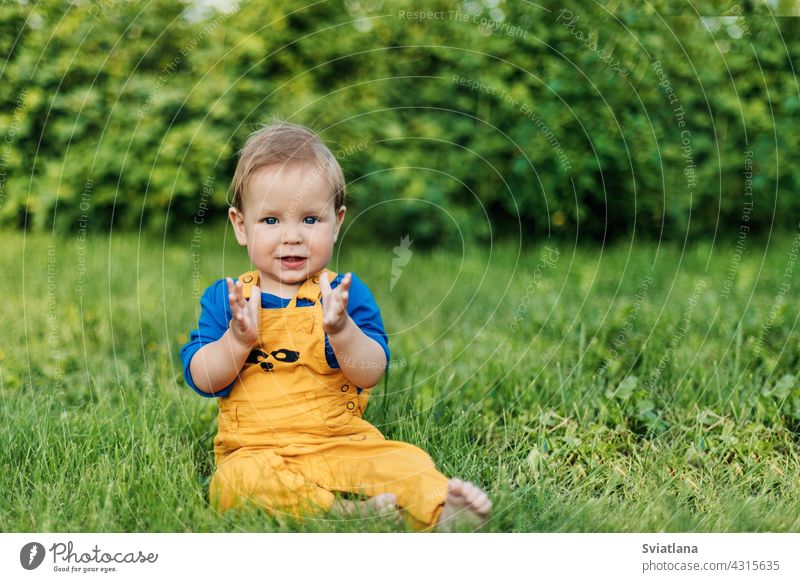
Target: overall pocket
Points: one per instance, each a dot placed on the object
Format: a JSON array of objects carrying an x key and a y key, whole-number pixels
[
  {"x": 335, "y": 408},
  {"x": 226, "y": 440}
]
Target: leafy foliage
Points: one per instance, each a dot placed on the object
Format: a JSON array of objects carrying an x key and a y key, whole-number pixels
[{"x": 492, "y": 117}]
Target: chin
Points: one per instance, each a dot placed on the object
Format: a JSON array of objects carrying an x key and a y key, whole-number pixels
[{"x": 294, "y": 278}]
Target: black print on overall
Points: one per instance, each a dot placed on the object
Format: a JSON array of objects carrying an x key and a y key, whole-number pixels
[{"x": 281, "y": 355}]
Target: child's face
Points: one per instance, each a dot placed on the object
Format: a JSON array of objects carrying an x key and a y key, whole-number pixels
[{"x": 288, "y": 224}]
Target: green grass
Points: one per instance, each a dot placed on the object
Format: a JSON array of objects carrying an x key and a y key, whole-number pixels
[{"x": 101, "y": 433}]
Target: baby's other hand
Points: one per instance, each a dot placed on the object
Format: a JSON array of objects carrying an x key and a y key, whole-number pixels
[
  {"x": 244, "y": 322},
  {"x": 334, "y": 303}
]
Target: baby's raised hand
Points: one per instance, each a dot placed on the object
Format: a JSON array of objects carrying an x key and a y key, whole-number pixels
[
  {"x": 244, "y": 322},
  {"x": 334, "y": 303}
]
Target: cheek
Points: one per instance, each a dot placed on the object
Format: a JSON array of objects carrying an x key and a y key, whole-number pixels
[
  {"x": 322, "y": 238},
  {"x": 259, "y": 237}
]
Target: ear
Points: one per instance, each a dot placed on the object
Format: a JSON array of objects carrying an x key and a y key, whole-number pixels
[
  {"x": 339, "y": 219},
  {"x": 237, "y": 220}
]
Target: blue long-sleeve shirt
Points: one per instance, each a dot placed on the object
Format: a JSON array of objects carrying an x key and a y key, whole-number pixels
[{"x": 216, "y": 316}]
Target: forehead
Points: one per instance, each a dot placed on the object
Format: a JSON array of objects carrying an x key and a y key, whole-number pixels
[{"x": 299, "y": 184}]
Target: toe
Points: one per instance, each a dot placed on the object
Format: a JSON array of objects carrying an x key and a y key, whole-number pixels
[
  {"x": 471, "y": 493},
  {"x": 455, "y": 486},
  {"x": 386, "y": 500}
]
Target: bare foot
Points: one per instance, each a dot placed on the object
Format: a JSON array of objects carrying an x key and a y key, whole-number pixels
[
  {"x": 466, "y": 507},
  {"x": 384, "y": 504}
]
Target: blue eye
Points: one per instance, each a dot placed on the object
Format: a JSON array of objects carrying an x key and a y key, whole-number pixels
[
  {"x": 271, "y": 220},
  {"x": 310, "y": 219}
]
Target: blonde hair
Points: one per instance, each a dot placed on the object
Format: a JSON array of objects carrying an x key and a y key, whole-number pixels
[{"x": 280, "y": 142}]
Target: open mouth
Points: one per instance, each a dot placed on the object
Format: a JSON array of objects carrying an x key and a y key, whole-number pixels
[{"x": 293, "y": 262}]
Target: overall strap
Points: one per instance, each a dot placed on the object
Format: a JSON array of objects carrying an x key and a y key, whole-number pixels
[
  {"x": 310, "y": 290},
  {"x": 248, "y": 279}
]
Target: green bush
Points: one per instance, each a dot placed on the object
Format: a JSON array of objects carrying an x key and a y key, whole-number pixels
[{"x": 542, "y": 121}]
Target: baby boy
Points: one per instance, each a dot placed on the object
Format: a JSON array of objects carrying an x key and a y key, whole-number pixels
[{"x": 291, "y": 350}]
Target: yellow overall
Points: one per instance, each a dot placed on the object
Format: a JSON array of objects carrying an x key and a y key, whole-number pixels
[{"x": 290, "y": 432}]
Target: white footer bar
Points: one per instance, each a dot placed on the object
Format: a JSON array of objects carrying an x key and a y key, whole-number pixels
[{"x": 387, "y": 557}]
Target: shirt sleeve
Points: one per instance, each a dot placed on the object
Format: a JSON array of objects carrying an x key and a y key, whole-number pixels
[
  {"x": 212, "y": 325},
  {"x": 215, "y": 319},
  {"x": 363, "y": 310}
]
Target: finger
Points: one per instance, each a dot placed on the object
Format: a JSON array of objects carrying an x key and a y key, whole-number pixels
[
  {"x": 236, "y": 310},
  {"x": 250, "y": 311},
  {"x": 331, "y": 312},
  {"x": 255, "y": 300},
  {"x": 324, "y": 284},
  {"x": 236, "y": 314},
  {"x": 240, "y": 294},
  {"x": 337, "y": 302},
  {"x": 255, "y": 293},
  {"x": 233, "y": 290},
  {"x": 232, "y": 297},
  {"x": 327, "y": 310},
  {"x": 346, "y": 281}
]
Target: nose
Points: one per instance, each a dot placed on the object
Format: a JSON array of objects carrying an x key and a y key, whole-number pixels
[{"x": 292, "y": 234}]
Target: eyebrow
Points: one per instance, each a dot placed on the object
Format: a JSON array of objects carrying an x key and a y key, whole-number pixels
[{"x": 264, "y": 213}]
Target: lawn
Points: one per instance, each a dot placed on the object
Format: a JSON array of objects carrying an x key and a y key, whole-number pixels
[{"x": 633, "y": 387}]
